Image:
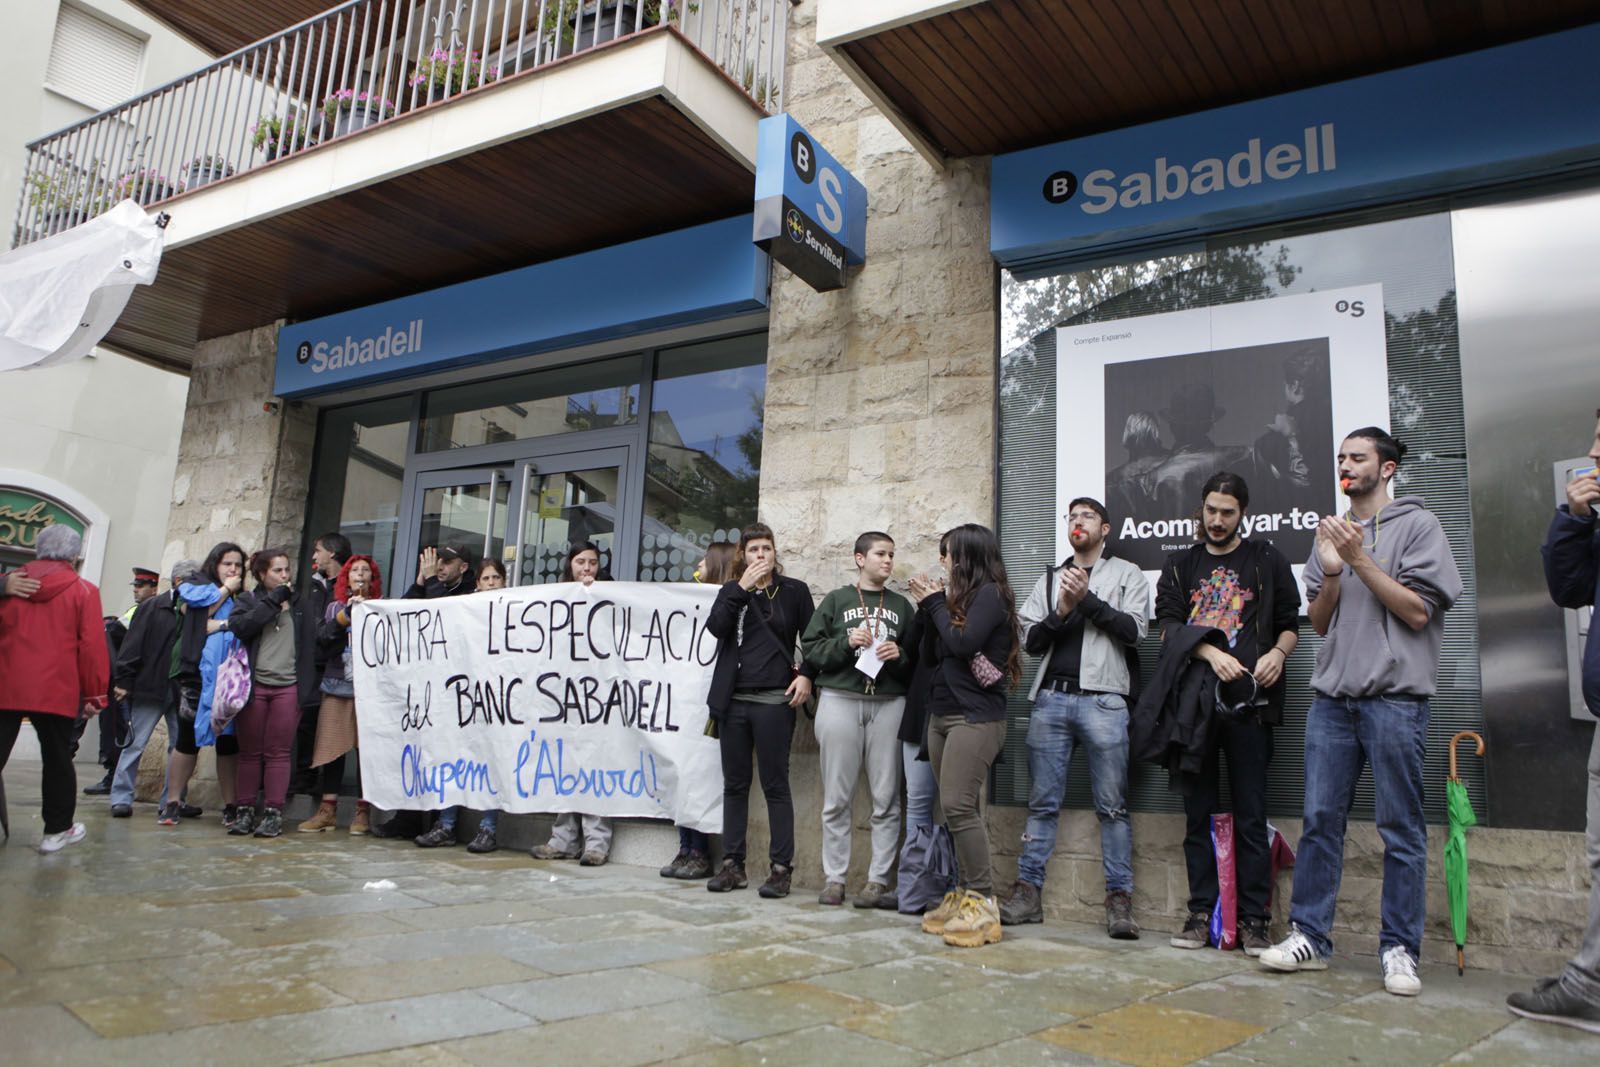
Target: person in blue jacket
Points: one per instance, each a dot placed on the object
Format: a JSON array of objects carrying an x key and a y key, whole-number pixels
[
  {"x": 1572, "y": 571},
  {"x": 204, "y": 644}
]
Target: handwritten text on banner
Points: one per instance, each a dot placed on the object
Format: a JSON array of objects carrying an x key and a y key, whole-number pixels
[{"x": 543, "y": 698}]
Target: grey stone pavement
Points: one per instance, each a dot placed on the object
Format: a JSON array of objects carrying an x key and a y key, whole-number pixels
[{"x": 147, "y": 945}]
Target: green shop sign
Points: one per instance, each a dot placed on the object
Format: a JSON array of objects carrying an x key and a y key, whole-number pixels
[{"x": 24, "y": 514}]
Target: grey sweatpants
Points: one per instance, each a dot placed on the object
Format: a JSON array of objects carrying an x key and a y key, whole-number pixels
[
  {"x": 855, "y": 731},
  {"x": 1582, "y": 976},
  {"x": 596, "y": 831}
]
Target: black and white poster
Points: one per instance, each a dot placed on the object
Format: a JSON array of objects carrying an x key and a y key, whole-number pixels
[{"x": 1149, "y": 408}]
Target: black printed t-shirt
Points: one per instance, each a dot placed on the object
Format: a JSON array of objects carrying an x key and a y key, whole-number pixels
[{"x": 1223, "y": 598}]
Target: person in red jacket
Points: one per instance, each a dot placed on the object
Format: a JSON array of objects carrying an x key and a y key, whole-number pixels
[{"x": 54, "y": 667}]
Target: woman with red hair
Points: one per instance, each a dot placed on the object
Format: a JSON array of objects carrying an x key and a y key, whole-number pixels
[{"x": 358, "y": 580}]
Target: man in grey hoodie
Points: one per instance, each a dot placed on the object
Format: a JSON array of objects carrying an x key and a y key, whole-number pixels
[{"x": 1379, "y": 581}]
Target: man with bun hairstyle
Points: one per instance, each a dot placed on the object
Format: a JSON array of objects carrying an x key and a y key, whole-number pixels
[{"x": 1379, "y": 581}]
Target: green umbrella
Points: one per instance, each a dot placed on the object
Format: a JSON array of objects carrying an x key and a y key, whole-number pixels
[{"x": 1455, "y": 848}]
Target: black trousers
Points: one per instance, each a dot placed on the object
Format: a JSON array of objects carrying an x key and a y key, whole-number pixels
[
  {"x": 60, "y": 788},
  {"x": 113, "y": 731},
  {"x": 763, "y": 731},
  {"x": 1248, "y": 746},
  {"x": 305, "y": 779}
]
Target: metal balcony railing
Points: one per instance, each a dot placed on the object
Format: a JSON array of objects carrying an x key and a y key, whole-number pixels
[{"x": 356, "y": 65}]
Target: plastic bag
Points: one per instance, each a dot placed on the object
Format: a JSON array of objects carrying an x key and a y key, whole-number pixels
[
  {"x": 232, "y": 690},
  {"x": 1225, "y": 916},
  {"x": 927, "y": 868}
]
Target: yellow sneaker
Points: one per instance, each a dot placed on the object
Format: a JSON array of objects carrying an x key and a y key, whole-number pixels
[
  {"x": 975, "y": 923},
  {"x": 933, "y": 921}
]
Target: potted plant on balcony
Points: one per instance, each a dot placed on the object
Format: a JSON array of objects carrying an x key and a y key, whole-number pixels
[
  {"x": 66, "y": 195},
  {"x": 601, "y": 19},
  {"x": 203, "y": 170},
  {"x": 141, "y": 185},
  {"x": 447, "y": 74},
  {"x": 274, "y": 136},
  {"x": 349, "y": 110}
]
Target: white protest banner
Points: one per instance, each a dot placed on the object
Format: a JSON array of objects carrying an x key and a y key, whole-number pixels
[{"x": 542, "y": 698}]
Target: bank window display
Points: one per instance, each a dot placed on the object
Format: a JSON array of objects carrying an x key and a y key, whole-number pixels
[
  {"x": 590, "y": 396},
  {"x": 357, "y": 477},
  {"x": 1136, "y": 382},
  {"x": 703, "y": 465}
]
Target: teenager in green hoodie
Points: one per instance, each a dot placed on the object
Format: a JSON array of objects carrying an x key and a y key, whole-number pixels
[{"x": 853, "y": 642}]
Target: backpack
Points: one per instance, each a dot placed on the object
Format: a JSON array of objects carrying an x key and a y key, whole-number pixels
[
  {"x": 232, "y": 690},
  {"x": 927, "y": 868}
]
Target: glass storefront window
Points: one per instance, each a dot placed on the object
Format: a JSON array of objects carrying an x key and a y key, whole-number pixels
[
  {"x": 1149, "y": 431},
  {"x": 704, "y": 462},
  {"x": 357, "y": 478},
  {"x": 588, "y": 396}
]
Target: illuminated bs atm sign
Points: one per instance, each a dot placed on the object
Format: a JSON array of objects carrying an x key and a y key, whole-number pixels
[{"x": 811, "y": 213}]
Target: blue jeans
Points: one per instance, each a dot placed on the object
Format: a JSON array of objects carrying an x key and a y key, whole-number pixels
[
  {"x": 1060, "y": 722},
  {"x": 489, "y": 822},
  {"x": 922, "y": 787},
  {"x": 1342, "y": 735},
  {"x": 143, "y": 716}
]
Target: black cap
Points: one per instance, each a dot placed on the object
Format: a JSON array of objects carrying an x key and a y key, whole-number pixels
[{"x": 455, "y": 550}]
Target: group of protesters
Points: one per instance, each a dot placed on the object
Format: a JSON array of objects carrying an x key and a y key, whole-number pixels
[{"x": 907, "y": 691}]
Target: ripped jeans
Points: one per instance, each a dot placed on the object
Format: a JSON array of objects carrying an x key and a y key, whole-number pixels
[{"x": 1061, "y": 722}]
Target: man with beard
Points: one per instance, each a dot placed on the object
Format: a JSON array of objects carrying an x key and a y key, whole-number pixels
[
  {"x": 328, "y": 555},
  {"x": 1244, "y": 593},
  {"x": 1379, "y": 580},
  {"x": 1081, "y": 618}
]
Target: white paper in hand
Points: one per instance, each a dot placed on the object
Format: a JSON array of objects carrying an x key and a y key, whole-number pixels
[{"x": 867, "y": 662}]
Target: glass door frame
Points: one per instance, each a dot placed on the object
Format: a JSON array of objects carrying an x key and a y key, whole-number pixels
[
  {"x": 491, "y": 476},
  {"x": 525, "y": 462}
]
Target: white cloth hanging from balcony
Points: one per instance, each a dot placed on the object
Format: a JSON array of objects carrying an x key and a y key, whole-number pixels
[{"x": 61, "y": 295}]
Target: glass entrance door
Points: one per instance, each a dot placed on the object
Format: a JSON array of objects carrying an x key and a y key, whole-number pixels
[
  {"x": 567, "y": 500},
  {"x": 466, "y": 507}
]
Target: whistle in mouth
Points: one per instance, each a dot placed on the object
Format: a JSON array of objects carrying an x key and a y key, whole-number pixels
[{"x": 1344, "y": 483}]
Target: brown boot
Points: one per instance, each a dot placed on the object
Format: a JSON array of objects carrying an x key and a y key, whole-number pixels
[
  {"x": 326, "y": 818},
  {"x": 362, "y": 823}
]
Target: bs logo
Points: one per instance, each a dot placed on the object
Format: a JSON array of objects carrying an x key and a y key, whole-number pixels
[
  {"x": 1059, "y": 187},
  {"x": 796, "y": 226},
  {"x": 828, "y": 210},
  {"x": 303, "y": 353}
]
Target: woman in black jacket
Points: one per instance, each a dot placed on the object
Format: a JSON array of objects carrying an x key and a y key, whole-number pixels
[
  {"x": 977, "y": 658},
  {"x": 758, "y": 618},
  {"x": 267, "y": 621}
]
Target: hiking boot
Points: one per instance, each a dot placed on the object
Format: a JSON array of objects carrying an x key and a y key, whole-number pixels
[
  {"x": 483, "y": 841},
  {"x": 933, "y": 921},
  {"x": 975, "y": 923},
  {"x": 438, "y": 837},
  {"x": 777, "y": 883},
  {"x": 550, "y": 852},
  {"x": 871, "y": 895},
  {"x": 121, "y": 811},
  {"x": 1022, "y": 905},
  {"x": 102, "y": 788},
  {"x": 271, "y": 824},
  {"x": 593, "y": 858},
  {"x": 832, "y": 894},
  {"x": 361, "y": 825},
  {"x": 326, "y": 818},
  {"x": 230, "y": 812},
  {"x": 1119, "y": 916},
  {"x": 168, "y": 816},
  {"x": 730, "y": 877},
  {"x": 1196, "y": 932},
  {"x": 190, "y": 811},
  {"x": 697, "y": 865},
  {"x": 1293, "y": 953},
  {"x": 1400, "y": 972},
  {"x": 1254, "y": 937},
  {"x": 56, "y": 842},
  {"x": 671, "y": 869},
  {"x": 243, "y": 824},
  {"x": 1550, "y": 1003}
]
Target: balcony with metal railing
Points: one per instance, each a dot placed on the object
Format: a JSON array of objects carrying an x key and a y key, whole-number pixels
[{"x": 383, "y": 147}]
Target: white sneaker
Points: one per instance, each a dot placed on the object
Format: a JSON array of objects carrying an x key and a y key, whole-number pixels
[
  {"x": 1293, "y": 953},
  {"x": 1400, "y": 972},
  {"x": 56, "y": 842}
]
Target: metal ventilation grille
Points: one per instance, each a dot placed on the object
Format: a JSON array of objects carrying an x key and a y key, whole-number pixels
[{"x": 1412, "y": 259}]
